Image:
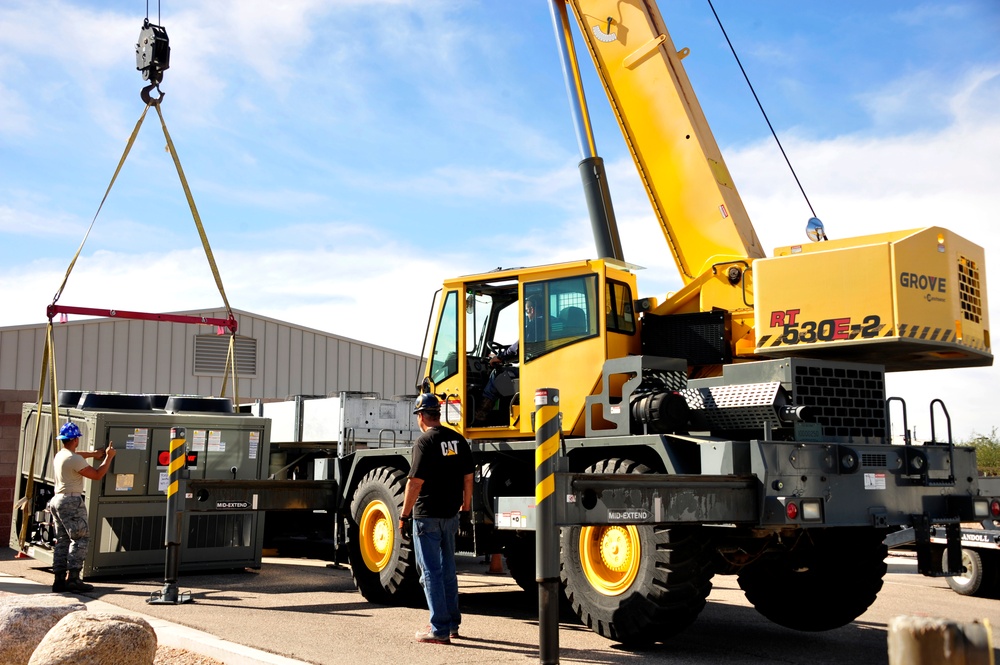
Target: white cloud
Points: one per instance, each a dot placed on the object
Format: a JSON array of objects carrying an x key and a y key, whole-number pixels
[
  {"x": 263, "y": 79},
  {"x": 15, "y": 113}
]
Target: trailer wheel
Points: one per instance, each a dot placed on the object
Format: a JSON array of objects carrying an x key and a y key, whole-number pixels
[
  {"x": 980, "y": 576},
  {"x": 826, "y": 580},
  {"x": 635, "y": 584},
  {"x": 383, "y": 564}
]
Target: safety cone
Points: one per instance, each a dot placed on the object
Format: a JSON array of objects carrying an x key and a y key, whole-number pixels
[{"x": 496, "y": 565}]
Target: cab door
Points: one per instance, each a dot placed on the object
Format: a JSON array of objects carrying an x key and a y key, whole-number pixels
[
  {"x": 444, "y": 371},
  {"x": 570, "y": 350}
]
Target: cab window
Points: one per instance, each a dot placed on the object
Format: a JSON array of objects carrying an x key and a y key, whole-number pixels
[
  {"x": 444, "y": 357},
  {"x": 618, "y": 308},
  {"x": 491, "y": 319},
  {"x": 565, "y": 312}
]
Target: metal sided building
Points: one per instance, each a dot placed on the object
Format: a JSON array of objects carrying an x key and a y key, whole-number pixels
[{"x": 275, "y": 359}]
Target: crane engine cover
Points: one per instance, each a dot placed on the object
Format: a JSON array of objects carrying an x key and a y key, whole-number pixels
[{"x": 908, "y": 300}]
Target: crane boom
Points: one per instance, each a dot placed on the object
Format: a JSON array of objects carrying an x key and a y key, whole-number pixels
[{"x": 680, "y": 164}]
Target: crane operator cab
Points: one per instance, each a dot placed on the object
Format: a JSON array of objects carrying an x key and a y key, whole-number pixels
[{"x": 516, "y": 330}]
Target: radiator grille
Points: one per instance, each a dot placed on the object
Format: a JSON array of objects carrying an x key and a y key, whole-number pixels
[
  {"x": 133, "y": 534},
  {"x": 700, "y": 338},
  {"x": 219, "y": 530},
  {"x": 969, "y": 294},
  {"x": 878, "y": 460},
  {"x": 136, "y": 534},
  {"x": 850, "y": 401}
]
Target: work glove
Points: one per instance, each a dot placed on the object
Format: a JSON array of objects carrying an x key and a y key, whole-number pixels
[
  {"x": 465, "y": 524},
  {"x": 406, "y": 526}
]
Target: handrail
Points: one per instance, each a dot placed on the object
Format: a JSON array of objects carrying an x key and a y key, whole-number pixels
[{"x": 888, "y": 421}]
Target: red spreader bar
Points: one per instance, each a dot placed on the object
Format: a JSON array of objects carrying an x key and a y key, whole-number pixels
[{"x": 229, "y": 323}]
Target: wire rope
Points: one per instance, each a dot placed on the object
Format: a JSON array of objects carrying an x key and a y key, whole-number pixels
[{"x": 761, "y": 107}]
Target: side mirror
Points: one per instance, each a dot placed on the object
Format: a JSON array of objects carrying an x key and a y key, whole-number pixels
[{"x": 815, "y": 230}]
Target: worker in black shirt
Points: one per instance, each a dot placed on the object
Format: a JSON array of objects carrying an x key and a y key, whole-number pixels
[{"x": 439, "y": 484}]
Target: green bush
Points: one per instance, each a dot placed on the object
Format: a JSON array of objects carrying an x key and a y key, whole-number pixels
[{"x": 987, "y": 452}]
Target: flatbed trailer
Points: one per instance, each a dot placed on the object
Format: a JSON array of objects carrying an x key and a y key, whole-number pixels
[{"x": 980, "y": 548}]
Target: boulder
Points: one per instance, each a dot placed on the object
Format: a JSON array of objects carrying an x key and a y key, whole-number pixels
[
  {"x": 97, "y": 638},
  {"x": 24, "y": 621}
]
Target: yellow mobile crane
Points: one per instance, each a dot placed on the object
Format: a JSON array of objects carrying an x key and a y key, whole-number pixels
[
  {"x": 754, "y": 397},
  {"x": 907, "y": 300}
]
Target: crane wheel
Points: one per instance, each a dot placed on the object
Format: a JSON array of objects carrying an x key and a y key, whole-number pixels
[
  {"x": 825, "y": 580},
  {"x": 383, "y": 563},
  {"x": 635, "y": 584},
  {"x": 520, "y": 557}
]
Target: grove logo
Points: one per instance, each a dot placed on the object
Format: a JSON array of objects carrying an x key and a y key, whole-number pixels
[{"x": 928, "y": 283}]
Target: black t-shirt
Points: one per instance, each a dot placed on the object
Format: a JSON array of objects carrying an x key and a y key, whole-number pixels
[{"x": 441, "y": 458}]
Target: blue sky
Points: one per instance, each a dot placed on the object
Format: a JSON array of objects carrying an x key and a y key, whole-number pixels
[{"x": 348, "y": 156}]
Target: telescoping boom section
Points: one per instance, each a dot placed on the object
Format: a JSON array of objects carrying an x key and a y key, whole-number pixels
[{"x": 910, "y": 300}]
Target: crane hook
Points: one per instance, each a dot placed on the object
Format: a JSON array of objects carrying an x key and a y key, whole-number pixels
[{"x": 152, "y": 101}]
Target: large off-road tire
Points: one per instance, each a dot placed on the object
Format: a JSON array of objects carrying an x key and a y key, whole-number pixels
[
  {"x": 383, "y": 563},
  {"x": 826, "y": 580},
  {"x": 635, "y": 584},
  {"x": 519, "y": 553},
  {"x": 981, "y": 573}
]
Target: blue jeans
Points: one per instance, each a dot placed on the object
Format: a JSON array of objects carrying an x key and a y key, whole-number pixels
[{"x": 434, "y": 539}]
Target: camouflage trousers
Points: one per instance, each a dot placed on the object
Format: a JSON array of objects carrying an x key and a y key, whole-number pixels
[{"x": 69, "y": 514}]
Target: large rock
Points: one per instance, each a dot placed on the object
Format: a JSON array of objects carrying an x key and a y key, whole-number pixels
[
  {"x": 24, "y": 621},
  {"x": 97, "y": 638}
]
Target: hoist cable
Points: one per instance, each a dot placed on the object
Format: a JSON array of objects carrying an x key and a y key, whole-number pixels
[
  {"x": 158, "y": 19},
  {"x": 761, "y": 107}
]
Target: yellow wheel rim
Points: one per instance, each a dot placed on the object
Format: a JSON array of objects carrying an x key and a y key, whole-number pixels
[
  {"x": 376, "y": 533},
  {"x": 610, "y": 557}
]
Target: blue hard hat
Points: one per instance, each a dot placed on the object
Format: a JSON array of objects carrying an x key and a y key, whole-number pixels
[
  {"x": 426, "y": 402},
  {"x": 68, "y": 431}
]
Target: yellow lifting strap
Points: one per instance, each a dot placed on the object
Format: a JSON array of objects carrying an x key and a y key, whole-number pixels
[
  {"x": 121, "y": 162},
  {"x": 49, "y": 365},
  {"x": 231, "y": 357},
  {"x": 48, "y": 368}
]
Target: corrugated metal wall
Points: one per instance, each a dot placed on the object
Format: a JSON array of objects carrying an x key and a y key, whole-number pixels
[{"x": 157, "y": 357}]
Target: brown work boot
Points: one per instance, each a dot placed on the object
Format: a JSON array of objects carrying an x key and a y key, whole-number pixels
[{"x": 75, "y": 584}]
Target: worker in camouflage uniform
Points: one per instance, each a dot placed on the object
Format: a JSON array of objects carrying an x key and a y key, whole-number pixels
[{"x": 68, "y": 509}]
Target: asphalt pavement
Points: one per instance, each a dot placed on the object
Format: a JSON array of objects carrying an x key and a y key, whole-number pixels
[{"x": 305, "y": 611}]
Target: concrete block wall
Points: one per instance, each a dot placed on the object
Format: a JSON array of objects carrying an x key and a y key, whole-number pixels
[{"x": 10, "y": 428}]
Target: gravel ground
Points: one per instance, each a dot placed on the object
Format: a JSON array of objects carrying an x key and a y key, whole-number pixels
[{"x": 170, "y": 656}]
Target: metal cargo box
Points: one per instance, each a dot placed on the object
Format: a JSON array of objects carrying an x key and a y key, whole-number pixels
[{"x": 127, "y": 508}]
